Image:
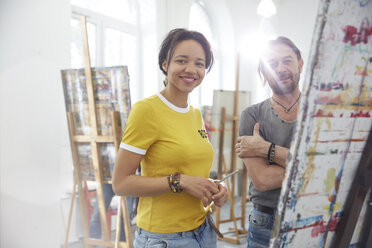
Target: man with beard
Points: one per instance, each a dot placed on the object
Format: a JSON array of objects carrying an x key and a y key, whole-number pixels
[{"x": 265, "y": 132}]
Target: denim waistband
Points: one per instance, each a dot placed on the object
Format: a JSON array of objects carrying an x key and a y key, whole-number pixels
[{"x": 170, "y": 235}]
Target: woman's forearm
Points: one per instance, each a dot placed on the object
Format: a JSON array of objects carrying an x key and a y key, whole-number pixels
[{"x": 135, "y": 185}]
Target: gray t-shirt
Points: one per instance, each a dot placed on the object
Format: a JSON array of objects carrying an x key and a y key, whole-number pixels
[{"x": 272, "y": 129}]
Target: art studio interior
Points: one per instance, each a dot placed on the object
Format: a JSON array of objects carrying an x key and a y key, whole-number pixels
[{"x": 47, "y": 200}]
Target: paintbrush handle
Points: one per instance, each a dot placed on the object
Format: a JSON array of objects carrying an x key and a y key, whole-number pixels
[{"x": 227, "y": 176}]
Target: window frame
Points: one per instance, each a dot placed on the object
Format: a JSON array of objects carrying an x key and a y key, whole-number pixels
[{"x": 103, "y": 22}]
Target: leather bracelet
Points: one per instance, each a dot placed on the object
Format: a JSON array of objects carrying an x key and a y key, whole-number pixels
[
  {"x": 268, "y": 151},
  {"x": 271, "y": 154}
]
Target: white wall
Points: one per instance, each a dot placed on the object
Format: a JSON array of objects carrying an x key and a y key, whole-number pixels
[
  {"x": 34, "y": 152},
  {"x": 222, "y": 22},
  {"x": 245, "y": 23},
  {"x": 35, "y": 157}
]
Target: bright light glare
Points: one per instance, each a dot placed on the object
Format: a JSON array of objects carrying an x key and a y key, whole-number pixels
[
  {"x": 253, "y": 45},
  {"x": 266, "y": 8}
]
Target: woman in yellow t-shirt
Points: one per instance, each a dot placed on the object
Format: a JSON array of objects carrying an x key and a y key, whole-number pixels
[{"x": 167, "y": 137}]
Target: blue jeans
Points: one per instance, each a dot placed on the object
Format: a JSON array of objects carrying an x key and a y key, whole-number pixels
[
  {"x": 95, "y": 221},
  {"x": 201, "y": 237},
  {"x": 259, "y": 230}
]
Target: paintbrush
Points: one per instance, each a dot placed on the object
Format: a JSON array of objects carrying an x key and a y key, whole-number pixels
[{"x": 227, "y": 176}]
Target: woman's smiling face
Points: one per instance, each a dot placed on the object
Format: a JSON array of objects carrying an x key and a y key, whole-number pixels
[{"x": 186, "y": 68}]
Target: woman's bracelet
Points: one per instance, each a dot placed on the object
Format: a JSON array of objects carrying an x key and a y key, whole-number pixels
[{"x": 174, "y": 182}]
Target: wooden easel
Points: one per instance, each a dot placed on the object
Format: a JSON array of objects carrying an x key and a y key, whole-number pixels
[
  {"x": 94, "y": 138},
  {"x": 222, "y": 169},
  {"x": 360, "y": 186}
]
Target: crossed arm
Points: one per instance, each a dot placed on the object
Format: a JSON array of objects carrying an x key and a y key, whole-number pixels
[
  {"x": 126, "y": 182},
  {"x": 253, "y": 150}
]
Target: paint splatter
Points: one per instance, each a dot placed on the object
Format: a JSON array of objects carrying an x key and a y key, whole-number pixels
[
  {"x": 304, "y": 223},
  {"x": 329, "y": 181},
  {"x": 329, "y": 100},
  {"x": 322, "y": 227},
  {"x": 322, "y": 113},
  {"x": 361, "y": 71},
  {"x": 342, "y": 140},
  {"x": 316, "y": 222},
  {"x": 360, "y": 114},
  {"x": 331, "y": 86},
  {"x": 334, "y": 151},
  {"x": 364, "y": 3},
  {"x": 336, "y": 207},
  {"x": 355, "y": 35}
]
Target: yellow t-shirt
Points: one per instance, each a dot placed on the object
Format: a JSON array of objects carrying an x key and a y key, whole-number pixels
[{"x": 172, "y": 140}]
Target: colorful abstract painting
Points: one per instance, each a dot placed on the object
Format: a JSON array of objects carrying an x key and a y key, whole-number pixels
[
  {"x": 333, "y": 126},
  {"x": 111, "y": 92}
]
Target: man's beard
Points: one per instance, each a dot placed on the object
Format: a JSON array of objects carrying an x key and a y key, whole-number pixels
[{"x": 278, "y": 90}]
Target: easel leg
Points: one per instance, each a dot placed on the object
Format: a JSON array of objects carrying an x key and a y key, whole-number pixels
[
  {"x": 128, "y": 229},
  {"x": 123, "y": 211},
  {"x": 84, "y": 215},
  {"x": 218, "y": 217},
  {"x": 244, "y": 196},
  {"x": 118, "y": 225},
  {"x": 231, "y": 192},
  {"x": 70, "y": 212}
]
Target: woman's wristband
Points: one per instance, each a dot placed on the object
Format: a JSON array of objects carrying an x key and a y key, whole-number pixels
[{"x": 174, "y": 182}]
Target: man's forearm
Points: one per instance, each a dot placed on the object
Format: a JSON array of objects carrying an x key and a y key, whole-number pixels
[
  {"x": 264, "y": 177},
  {"x": 280, "y": 157},
  {"x": 256, "y": 146}
]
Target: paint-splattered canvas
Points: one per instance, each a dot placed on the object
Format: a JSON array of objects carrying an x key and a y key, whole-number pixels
[
  {"x": 111, "y": 92},
  {"x": 333, "y": 126}
]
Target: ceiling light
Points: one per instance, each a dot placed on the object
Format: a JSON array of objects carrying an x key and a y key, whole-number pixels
[{"x": 266, "y": 8}]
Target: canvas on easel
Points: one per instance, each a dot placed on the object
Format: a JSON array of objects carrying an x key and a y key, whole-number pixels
[
  {"x": 333, "y": 127},
  {"x": 225, "y": 98},
  {"x": 223, "y": 133},
  {"x": 97, "y": 105},
  {"x": 111, "y": 92}
]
